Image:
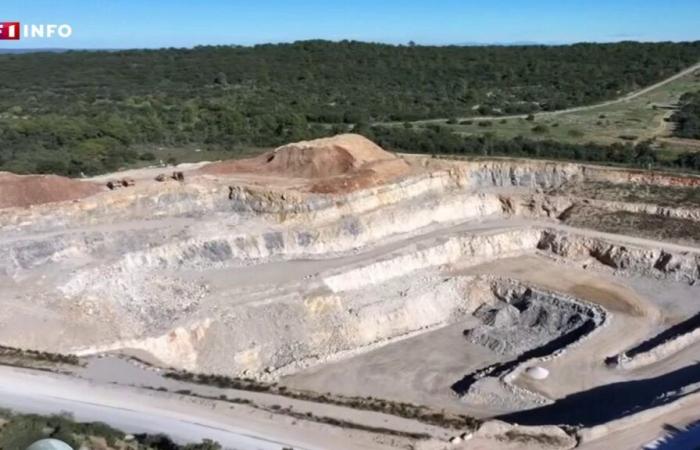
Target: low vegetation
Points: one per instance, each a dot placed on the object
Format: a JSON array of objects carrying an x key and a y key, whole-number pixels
[
  {"x": 18, "y": 431},
  {"x": 401, "y": 409},
  {"x": 288, "y": 411},
  {"x": 687, "y": 118},
  {"x": 35, "y": 359},
  {"x": 350, "y": 425},
  {"x": 672, "y": 196}
]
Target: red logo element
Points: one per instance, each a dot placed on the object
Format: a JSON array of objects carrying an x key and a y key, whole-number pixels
[{"x": 9, "y": 31}]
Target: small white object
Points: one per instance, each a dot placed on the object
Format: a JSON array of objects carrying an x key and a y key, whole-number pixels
[
  {"x": 537, "y": 373},
  {"x": 49, "y": 444}
]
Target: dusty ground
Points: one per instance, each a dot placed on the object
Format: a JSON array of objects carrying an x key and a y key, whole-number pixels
[
  {"x": 332, "y": 165},
  {"x": 27, "y": 190},
  {"x": 339, "y": 268},
  {"x": 419, "y": 369},
  {"x": 676, "y": 196}
]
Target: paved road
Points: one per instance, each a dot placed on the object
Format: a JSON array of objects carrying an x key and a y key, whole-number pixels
[{"x": 622, "y": 99}]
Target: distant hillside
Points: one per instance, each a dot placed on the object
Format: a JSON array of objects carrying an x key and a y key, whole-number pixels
[
  {"x": 19, "y": 51},
  {"x": 82, "y": 111}
]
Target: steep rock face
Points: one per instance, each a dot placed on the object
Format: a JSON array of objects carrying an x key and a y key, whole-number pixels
[
  {"x": 654, "y": 262},
  {"x": 644, "y": 208},
  {"x": 287, "y": 205},
  {"x": 528, "y": 174},
  {"x": 206, "y": 246},
  {"x": 316, "y": 327},
  {"x": 536, "y": 205},
  {"x": 144, "y": 203},
  {"x": 597, "y": 173},
  {"x": 476, "y": 248},
  {"x": 177, "y": 348}
]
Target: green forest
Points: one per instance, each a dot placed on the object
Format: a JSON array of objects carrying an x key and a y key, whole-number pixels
[
  {"x": 87, "y": 112},
  {"x": 687, "y": 118}
]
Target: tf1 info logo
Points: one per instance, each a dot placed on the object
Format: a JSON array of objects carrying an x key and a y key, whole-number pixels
[{"x": 12, "y": 31}]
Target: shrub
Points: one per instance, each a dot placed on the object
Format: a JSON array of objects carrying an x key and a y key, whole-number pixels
[{"x": 147, "y": 156}]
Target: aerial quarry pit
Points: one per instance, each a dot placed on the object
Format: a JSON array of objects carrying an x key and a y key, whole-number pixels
[{"x": 522, "y": 293}]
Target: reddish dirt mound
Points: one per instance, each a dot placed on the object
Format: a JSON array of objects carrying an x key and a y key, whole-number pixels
[
  {"x": 26, "y": 190},
  {"x": 338, "y": 163}
]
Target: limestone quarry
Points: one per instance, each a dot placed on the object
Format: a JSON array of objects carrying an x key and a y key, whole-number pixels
[{"x": 496, "y": 288}]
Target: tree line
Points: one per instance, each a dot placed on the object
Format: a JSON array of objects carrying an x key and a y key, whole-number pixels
[
  {"x": 687, "y": 118},
  {"x": 437, "y": 140}
]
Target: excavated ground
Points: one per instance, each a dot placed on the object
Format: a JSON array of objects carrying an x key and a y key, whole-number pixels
[{"x": 335, "y": 266}]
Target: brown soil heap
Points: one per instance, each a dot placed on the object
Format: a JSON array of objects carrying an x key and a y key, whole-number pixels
[
  {"x": 27, "y": 190},
  {"x": 339, "y": 163}
]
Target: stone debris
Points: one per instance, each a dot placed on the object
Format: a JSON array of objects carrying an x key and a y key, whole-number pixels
[{"x": 527, "y": 320}]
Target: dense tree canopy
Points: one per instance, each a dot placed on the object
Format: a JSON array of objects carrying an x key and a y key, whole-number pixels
[
  {"x": 687, "y": 118},
  {"x": 84, "y": 111}
]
